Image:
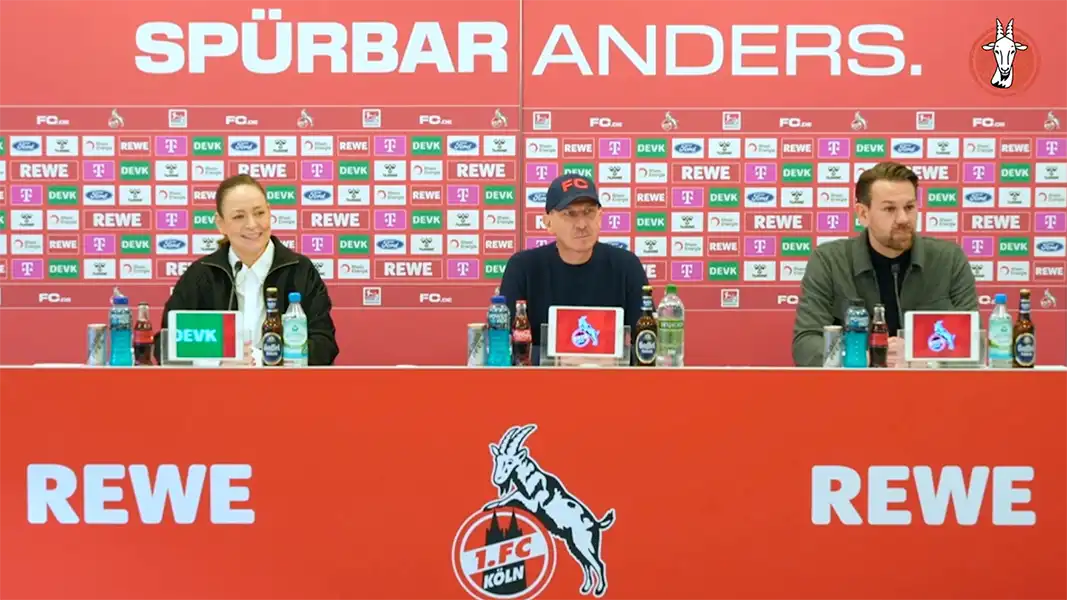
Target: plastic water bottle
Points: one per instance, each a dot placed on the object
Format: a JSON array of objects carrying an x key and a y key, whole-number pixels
[
  {"x": 1000, "y": 334},
  {"x": 120, "y": 331},
  {"x": 670, "y": 352},
  {"x": 295, "y": 334},
  {"x": 857, "y": 322},
  {"x": 498, "y": 337}
]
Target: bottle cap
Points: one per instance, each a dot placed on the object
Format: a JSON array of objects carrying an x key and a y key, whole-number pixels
[
  {"x": 672, "y": 289},
  {"x": 856, "y": 302},
  {"x": 120, "y": 301},
  {"x": 499, "y": 300},
  {"x": 1000, "y": 298},
  {"x": 294, "y": 297}
]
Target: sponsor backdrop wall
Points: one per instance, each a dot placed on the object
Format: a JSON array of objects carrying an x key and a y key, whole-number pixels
[{"x": 406, "y": 147}]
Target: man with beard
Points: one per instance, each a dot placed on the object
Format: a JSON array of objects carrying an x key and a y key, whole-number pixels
[{"x": 887, "y": 264}]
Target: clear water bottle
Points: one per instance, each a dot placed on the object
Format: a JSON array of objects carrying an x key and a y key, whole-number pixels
[
  {"x": 1000, "y": 334},
  {"x": 295, "y": 334},
  {"x": 498, "y": 336},
  {"x": 120, "y": 331},
  {"x": 670, "y": 352},
  {"x": 857, "y": 322}
]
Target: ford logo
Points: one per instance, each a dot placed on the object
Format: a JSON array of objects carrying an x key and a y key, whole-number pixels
[
  {"x": 390, "y": 244},
  {"x": 171, "y": 244},
  {"x": 98, "y": 195},
  {"x": 317, "y": 195},
  {"x": 622, "y": 245},
  {"x": 760, "y": 197},
  {"x": 537, "y": 197},
  {"x": 979, "y": 197},
  {"x": 462, "y": 145},
  {"x": 1050, "y": 246},
  {"x": 244, "y": 145},
  {"x": 25, "y": 146},
  {"x": 687, "y": 148},
  {"x": 906, "y": 148}
]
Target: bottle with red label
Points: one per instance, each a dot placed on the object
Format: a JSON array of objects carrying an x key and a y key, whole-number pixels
[
  {"x": 142, "y": 336},
  {"x": 521, "y": 336},
  {"x": 879, "y": 339}
]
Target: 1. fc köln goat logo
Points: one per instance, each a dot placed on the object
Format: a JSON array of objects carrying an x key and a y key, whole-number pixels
[{"x": 506, "y": 550}]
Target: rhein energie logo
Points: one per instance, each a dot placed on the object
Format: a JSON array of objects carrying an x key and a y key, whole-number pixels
[{"x": 506, "y": 550}]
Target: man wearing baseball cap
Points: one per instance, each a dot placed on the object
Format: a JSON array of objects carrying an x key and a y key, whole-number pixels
[{"x": 576, "y": 270}]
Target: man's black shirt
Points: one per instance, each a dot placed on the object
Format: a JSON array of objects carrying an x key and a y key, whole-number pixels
[
  {"x": 613, "y": 277},
  {"x": 883, "y": 272}
]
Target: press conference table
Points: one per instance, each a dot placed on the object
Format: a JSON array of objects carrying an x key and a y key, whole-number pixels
[{"x": 372, "y": 482}]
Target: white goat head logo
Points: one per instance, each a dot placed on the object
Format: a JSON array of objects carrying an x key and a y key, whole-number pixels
[
  {"x": 522, "y": 483},
  {"x": 1004, "y": 48}
]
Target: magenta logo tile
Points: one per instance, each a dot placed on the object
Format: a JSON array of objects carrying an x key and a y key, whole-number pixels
[
  {"x": 1048, "y": 222},
  {"x": 616, "y": 222},
  {"x": 1051, "y": 148},
  {"x": 27, "y": 268},
  {"x": 390, "y": 220},
  {"x": 761, "y": 173},
  {"x": 172, "y": 145},
  {"x": 537, "y": 242},
  {"x": 541, "y": 172},
  {"x": 979, "y": 173},
  {"x": 99, "y": 244},
  {"x": 390, "y": 145},
  {"x": 462, "y": 195},
  {"x": 316, "y": 244},
  {"x": 834, "y": 148},
  {"x": 687, "y": 270},
  {"x": 763, "y": 245},
  {"x": 687, "y": 197},
  {"x": 619, "y": 148},
  {"x": 832, "y": 222},
  {"x": 317, "y": 170},
  {"x": 979, "y": 246},
  {"x": 27, "y": 195},
  {"x": 172, "y": 219},
  {"x": 463, "y": 268},
  {"x": 98, "y": 170}
]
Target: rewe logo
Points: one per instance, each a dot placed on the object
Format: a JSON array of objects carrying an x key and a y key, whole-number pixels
[{"x": 507, "y": 550}]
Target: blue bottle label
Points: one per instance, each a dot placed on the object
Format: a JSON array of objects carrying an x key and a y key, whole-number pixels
[{"x": 1025, "y": 349}]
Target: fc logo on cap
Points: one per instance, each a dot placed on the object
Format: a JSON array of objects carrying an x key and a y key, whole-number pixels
[{"x": 574, "y": 182}]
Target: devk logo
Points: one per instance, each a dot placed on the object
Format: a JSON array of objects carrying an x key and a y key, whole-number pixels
[
  {"x": 585, "y": 334},
  {"x": 506, "y": 550},
  {"x": 941, "y": 338}
]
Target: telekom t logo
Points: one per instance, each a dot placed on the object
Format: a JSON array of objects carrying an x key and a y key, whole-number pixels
[
  {"x": 26, "y": 195},
  {"x": 541, "y": 172},
  {"x": 463, "y": 269},
  {"x": 316, "y": 169},
  {"x": 687, "y": 196},
  {"x": 172, "y": 219},
  {"x": 27, "y": 269},
  {"x": 978, "y": 171},
  {"x": 761, "y": 172},
  {"x": 316, "y": 243},
  {"x": 1050, "y": 222},
  {"x": 977, "y": 246},
  {"x": 463, "y": 194},
  {"x": 1052, "y": 147},
  {"x": 170, "y": 145},
  {"x": 833, "y": 147},
  {"x": 687, "y": 270},
  {"x": 390, "y": 145},
  {"x": 614, "y": 147},
  {"x": 98, "y": 170},
  {"x": 761, "y": 246},
  {"x": 390, "y": 220},
  {"x": 614, "y": 221},
  {"x": 832, "y": 221}
]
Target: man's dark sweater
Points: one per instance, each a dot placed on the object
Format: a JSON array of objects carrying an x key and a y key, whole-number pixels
[
  {"x": 883, "y": 272},
  {"x": 612, "y": 277}
]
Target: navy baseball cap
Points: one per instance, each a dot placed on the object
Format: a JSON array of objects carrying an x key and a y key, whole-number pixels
[{"x": 566, "y": 189}]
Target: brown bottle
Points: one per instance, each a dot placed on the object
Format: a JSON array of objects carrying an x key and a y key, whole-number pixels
[
  {"x": 879, "y": 339},
  {"x": 646, "y": 341},
  {"x": 270, "y": 341},
  {"x": 521, "y": 336},
  {"x": 1023, "y": 336},
  {"x": 142, "y": 336}
]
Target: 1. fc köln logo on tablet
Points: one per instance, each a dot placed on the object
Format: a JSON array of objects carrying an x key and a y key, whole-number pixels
[{"x": 508, "y": 548}]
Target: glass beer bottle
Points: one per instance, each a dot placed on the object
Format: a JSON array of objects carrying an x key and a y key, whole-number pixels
[
  {"x": 270, "y": 341},
  {"x": 646, "y": 341},
  {"x": 1023, "y": 335}
]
